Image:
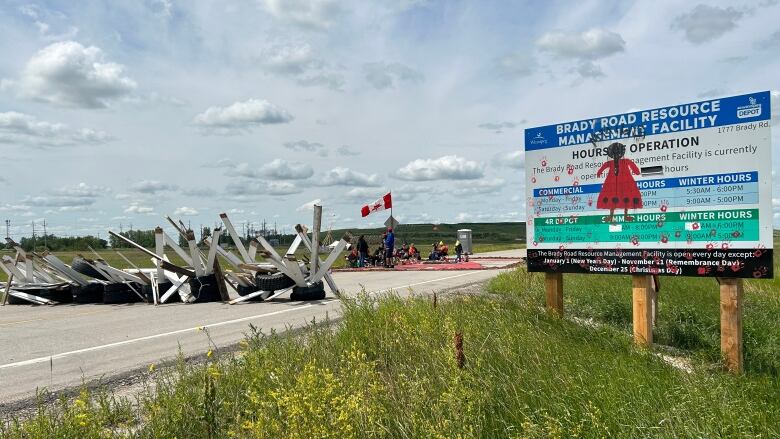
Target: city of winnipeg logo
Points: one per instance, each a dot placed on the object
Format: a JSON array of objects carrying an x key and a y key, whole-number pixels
[
  {"x": 539, "y": 139},
  {"x": 752, "y": 110}
]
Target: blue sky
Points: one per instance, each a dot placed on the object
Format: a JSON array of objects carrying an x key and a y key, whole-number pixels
[{"x": 119, "y": 112}]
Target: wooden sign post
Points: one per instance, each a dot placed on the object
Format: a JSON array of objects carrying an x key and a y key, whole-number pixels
[
  {"x": 731, "y": 323},
  {"x": 553, "y": 285},
  {"x": 643, "y": 308}
]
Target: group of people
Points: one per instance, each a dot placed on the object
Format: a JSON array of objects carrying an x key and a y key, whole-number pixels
[{"x": 387, "y": 255}]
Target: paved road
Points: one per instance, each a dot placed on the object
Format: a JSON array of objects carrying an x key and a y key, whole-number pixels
[{"x": 58, "y": 347}]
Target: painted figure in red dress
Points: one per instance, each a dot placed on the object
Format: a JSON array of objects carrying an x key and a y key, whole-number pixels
[{"x": 619, "y": 190}]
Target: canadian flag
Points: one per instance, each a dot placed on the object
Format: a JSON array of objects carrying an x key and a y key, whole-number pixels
[{"x": 383, "y": 203}]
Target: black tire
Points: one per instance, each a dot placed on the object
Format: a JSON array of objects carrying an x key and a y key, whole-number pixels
[
  {"x": 82, "y": 267},
  {"x": 59, "y": 295},
  {"x": 205, "y": 289},
  {"x": 17, "y": 301},
  {"x": 119, "y": 293},
  {"x": 314, "y": 292},
  {"x": 273, "y": 282},
  {"x": 90, "y": 293}
]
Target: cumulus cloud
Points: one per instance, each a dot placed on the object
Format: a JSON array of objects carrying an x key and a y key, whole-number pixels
[
  {"x": 383, "y": 75},
  {"x": 705, "y": 23},
  {"x": 306, "y": 146},
  {"x": 258, "y": 187},
  {"x": 278, "y": 169},
  {"x": 137, "y": 208},
  {"x": 589, "y": 69},
  {"x": 21, "y": 128},
  {"x": 308, "y": 206},
  {"x": 362, "y": 194},
  {"x": 68, "y": 198},
  {"x": 297, "y": 61},
  {"x": 449, "y": 167},
  {"x": 306, "y": 14},
  {"x": 511, "y": 159},
  {"x": 185, "y": 211},
  {"x": 152, "y": 187},
  {"x": 69, "y": 74},
  {"x": 241, "y": 117},
  {"x": 340, "y": 176},
  {"x": 591, "y": 44},
  {"x": 284, "y": 170}
]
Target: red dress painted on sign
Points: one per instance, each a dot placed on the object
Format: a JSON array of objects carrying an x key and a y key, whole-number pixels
[{"x": 619, "y": 191}]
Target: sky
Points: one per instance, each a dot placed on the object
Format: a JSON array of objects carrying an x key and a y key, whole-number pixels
[{"x": 116, "y": 113}]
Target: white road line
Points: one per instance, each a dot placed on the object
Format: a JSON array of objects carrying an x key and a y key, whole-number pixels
[
  {"x": 213, "y": 325},
  {"x": 425, "y": 282},
  {"x": 148, "y": 337}
]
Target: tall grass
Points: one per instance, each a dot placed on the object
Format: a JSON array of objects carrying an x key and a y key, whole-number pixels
[
  {"x": 389, "y": 370},
  {"x": 688, "y": 315}
]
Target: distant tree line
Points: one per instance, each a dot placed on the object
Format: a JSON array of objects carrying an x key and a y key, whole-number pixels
[{"x": 60, "y": 243}]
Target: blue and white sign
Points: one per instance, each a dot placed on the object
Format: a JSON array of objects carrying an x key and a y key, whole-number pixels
[{"x": 677, "y": 190}]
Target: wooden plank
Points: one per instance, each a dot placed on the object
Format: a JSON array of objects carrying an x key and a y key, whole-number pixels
[
  {"x": 553, "y": 286},
  {"x": 643, "y": 312},
  {"x": 253, "y": 250},
  {"x": 212, "y": 256},
  {"x": 315, "y": 238},
  {"x": 197, "y": 263},
  {"x": 294, "y": 246},
  {"x": 731, "y": 291},
  {"x": 223, "y": 292},
  {"x": 159, "y": 247},
  {"x": 176, "y": 283},
  {"x": 32, "y": 298},
  {"x": 329, "y": 261},
  {"x": 8, "y": 288},
  {"x": 294, "y": 271},
  {"x": 301, "y": 230},
  {"x": 179, "y": 251},
  {"x": 236, "y": 239},
  {"x": 57, "y": 263},
  {"x": 139, "y": 273}
]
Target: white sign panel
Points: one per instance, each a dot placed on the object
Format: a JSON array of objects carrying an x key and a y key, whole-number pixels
[{"x": 679, "y": 190}]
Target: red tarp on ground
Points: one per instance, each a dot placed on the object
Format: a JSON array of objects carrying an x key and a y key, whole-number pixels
[{"x": 471, "y": 265}]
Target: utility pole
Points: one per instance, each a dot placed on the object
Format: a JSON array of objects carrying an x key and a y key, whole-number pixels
[
  {"x": 45, "y": 239},
  {"x": 33, "y": 235},
  {"x": 7, "y": 228}
]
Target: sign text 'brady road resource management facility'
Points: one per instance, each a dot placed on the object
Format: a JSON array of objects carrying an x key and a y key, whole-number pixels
[{"x": 680, "y": 190}]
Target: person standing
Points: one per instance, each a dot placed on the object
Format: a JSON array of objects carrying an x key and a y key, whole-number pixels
[
  {"x": 458, "y": 251},
  {"x": 362, "y": 248},
  {"x": 389, "y": 247}
]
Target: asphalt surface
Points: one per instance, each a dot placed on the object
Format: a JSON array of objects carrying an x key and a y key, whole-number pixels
[{"x": 63, "y": 346}]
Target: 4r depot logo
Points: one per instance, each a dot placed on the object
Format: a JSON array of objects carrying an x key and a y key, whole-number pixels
[{"x": 751, "y": 110}]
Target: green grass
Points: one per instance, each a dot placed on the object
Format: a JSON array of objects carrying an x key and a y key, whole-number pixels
[
  {"x": 688, "y": 315},
  {"x": 388, "y": 370}
]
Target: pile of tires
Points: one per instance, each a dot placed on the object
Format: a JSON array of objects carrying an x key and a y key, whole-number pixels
[
  {"x": 82, "y": 267},
  {"x": 315, "y": 291},
  {"x": 120, "y": 292},
  {"x": 60, "y": 295},
  {"x": 205, "y": 289},
  {"x": 90, "y": 293}
]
